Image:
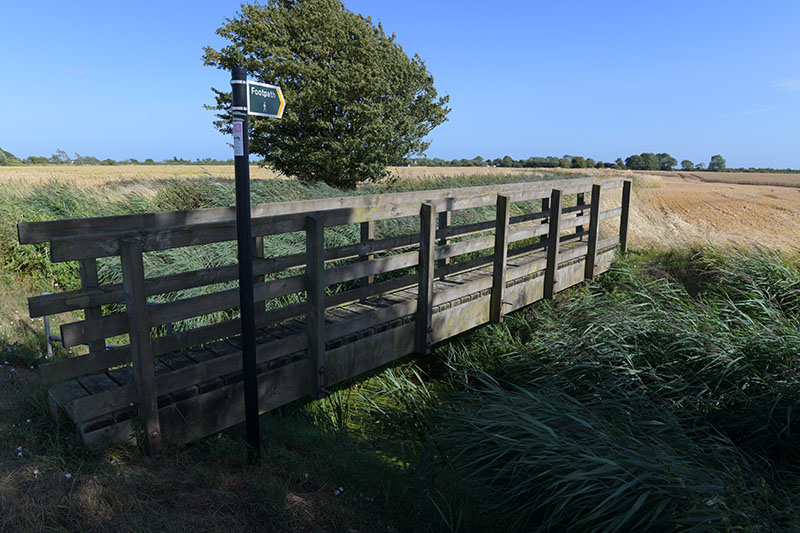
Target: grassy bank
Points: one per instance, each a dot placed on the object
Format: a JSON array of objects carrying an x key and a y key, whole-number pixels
[{"x": 662, "y": 396}]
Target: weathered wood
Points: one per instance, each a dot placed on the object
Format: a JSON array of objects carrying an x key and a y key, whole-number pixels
[
  {"x": 35, "y": 232},
  {"x": 88, "y": 274},
  {"x": 623, "y": 218},
  {"x": 545, "y": 209},
  {"x": 427, "y": 240},
  {"x": 359, "y": 270},
  {"x": 367, "y": 236},
  {"x": 500, "y": 257},
  {"x": 75, "y": 333},
  {"x": 580, "y": 201},
  {"x": 258, "y": 254},
  {"x": 315, "y": 270},
  {"x": 141, "y": 350},
  {"x": 104, "y": 245},
  {"x": 594, "y": 232},
  {"x": 444, "y": 224},
  {"x": 553, "y": 242}
]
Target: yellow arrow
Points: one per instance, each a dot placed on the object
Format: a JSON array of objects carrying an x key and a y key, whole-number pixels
[{"x": 283, "y": 103}]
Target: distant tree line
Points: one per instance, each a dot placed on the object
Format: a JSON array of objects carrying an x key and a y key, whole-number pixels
[
  {"x": 62, "y": 158},
  {"x": 643, "y": 161}
]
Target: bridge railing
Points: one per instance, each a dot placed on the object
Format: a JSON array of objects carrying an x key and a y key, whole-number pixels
[{"x": 301, "y": 285}]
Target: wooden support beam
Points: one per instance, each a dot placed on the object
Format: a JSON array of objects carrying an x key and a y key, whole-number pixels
[
  {"x": 579, "y": 202},
  {"x": 258, "y": 254},
  {"x": 594, "y": 231},
  {"x": 444, "y": 224},
  {"x": 367, "y": 235},
  {"x": 141, "y": 349},
  {"x": 623, "y": 218},
  {"x": 553, "y": 242},
  {"x": 427, "y": 243},
  {"x": 545, "y": 209},
  {"x": 315, "y": 266},
  {"x": 500, "y": 257},
  {"x": 88, "y": 272}
]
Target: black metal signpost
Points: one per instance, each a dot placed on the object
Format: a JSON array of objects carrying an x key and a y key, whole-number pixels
[{"x": 267, "y": 100}]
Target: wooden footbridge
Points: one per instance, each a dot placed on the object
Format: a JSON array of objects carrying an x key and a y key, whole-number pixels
[{"x": 323, "y": 316}]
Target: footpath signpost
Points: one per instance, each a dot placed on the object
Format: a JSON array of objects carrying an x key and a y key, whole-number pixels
[{"x": 249, "y": 98}]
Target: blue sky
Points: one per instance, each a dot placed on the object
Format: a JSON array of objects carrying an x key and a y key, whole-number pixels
[{"x": 599, "y": 79}]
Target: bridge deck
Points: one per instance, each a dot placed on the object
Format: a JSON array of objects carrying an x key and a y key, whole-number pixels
[{"x": 361, "y": 336}]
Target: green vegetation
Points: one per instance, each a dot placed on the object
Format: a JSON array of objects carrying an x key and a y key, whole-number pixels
[
  {"x": 357, "y": 103},
  {"x": 661, "y": 396}
]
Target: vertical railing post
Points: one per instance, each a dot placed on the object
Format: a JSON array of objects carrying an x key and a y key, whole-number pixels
[
  {"x": 444, "y": 224},
  {"x": 545, "y": 207},
  {"x": 580, "y": 201},
  {"x": 427, "y": 243},
  {"x": 500, "y": 257},
  {"x": 88, "y": 273},
  {"x": 315, "y": 291},
  {"x": 623, "y": 218},
  {"x": 367, "y": 235},
  {"x": 553, "y": 244},
  {"x": 258, "y": 253},
  {"x": 141, "y": 350},
  {"x": 594, "y": 231}
]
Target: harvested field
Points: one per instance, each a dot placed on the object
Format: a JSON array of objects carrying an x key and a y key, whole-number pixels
[
  {"x": 740, "y": 178},
  {"x": 675, "y": 209}
]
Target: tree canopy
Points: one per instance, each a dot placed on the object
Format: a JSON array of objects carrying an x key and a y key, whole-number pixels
[
  {"x": 717, "y": 163},
  {"x": 355, "y": 102}
]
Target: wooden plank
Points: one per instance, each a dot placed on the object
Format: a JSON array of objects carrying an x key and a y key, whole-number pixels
[
  {"x": 75, "y": 333},
  {"x": 427, "y": 240},
  {"x": 88, "y": 274},
  {"x": 445, "y": 218},
  {"x": 106, "y": 244},
  {"x": 624, "y": 216},
  {"x": 79, "y": 365},
  {"x": 359, "y": 270},
  {"x": 372, "y": 352},
  {"x": 594, "y": 232},
  {"x": 141, "y": 350},
  {"x": 553, "y": 242},
  {"x": 545, "y": 209},
  {"x": 500, "y": 257},
  {"x": 367, "y": 236},
  {"x": 315, "y": 270},
  {"x": 580, "y": 201},
  {"x": 62, "y": 398},
  {"x": 258, "y": 254},
  {"x": 460, "y": 318},
  {"x": 178, "y": 379},
  {"x": 34, "y": 232}
]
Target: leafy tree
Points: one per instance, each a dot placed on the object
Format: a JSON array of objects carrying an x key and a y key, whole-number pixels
[
  {"x": 578, "y": 162},
  {"x": 590, "y": 163},
  {"x": 60, "y": 158},
  {"x": 666, "y": 161},
  {"x": 700, "y": 166},
  {"x": 564, "y": 162},
  {"x": 717, "y": 163},
  {"x": 687, "y": 165},
  {"x": 633, "y": 162},
  {"x": 354, "y": 101},
  {"x": 36, "y": 160},
  {"x": 599, "y": 164},
  {"x": 8, "y": 159},
  {"x": 620, "y": 164}
]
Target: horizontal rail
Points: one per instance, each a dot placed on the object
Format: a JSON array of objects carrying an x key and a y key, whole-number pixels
[{"x": 36, "y": 232}]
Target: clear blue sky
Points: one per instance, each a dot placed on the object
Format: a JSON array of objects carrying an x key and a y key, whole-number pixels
[{"x": 599, "y": 79}]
